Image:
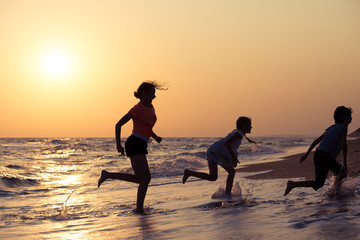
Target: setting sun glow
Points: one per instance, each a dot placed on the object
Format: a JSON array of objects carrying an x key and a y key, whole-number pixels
[
  {"x": 56, "y": 64},
  {"x": 70, "y": 68}
]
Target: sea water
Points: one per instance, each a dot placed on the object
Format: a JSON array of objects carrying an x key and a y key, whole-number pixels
[{"x": 48, "y": 190}]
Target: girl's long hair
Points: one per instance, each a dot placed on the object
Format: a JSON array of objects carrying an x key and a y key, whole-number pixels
[{"x": 149, "y": 85}]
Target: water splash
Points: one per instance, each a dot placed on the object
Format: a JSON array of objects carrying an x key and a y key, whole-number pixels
[
  {"x": 226, "y": 201},
  {"x": 221, "y": 193},
  {"x": 64, "y": 212},
  {"x": 341, "y": 190}
]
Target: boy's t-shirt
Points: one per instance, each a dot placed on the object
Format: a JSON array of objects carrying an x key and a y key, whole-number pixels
[
  {"x": 331, "y": 141},
  {"x": 144, "y": 119}
]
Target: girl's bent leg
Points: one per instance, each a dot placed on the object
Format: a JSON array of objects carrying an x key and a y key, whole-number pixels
[
  {"x": 102, "y": 178},
  {"x": 186, "y": 175},
  {"x": 142, "y": 174},
  {"x": 212, "y": 176},
  {"x": 230, "y": 180},
  {"x": 121, "y": 176}
]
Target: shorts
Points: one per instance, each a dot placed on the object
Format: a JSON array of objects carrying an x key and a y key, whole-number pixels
[
  {"x": 220, "y": 159},
  {"x": 135, "y": 146},
  {"x": 323, "y": 163}
]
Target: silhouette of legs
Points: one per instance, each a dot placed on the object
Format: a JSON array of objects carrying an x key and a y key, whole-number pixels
[
  {"x": 290, "y": 185},
  {"x": 212, "y": 176},
  {"x": 230, "y": 180},
  {"x": 320, "y": 177},
  {"x": 142, "y": 176}
]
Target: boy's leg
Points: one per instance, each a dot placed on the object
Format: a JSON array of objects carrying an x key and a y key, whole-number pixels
[
  {"x": 230, "y": 180},
  {"x": 291, "y": 185},
  {"x": 320, "y": 177},
  {"x": 212, "y": 176},
  {"x": 321, "y": 163},
  {"x": 342, "y": 174},
  {"x": 338, "y": 170}
]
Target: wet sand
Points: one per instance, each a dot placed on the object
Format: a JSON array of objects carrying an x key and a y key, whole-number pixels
[{"x": 290, "y": 166}]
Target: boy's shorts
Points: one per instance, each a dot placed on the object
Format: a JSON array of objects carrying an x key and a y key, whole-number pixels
[
  {"x": 135, "y": 146},
  {"x": 323, "y": 163}
]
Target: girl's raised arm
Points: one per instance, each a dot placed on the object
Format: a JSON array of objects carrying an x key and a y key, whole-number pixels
[{"x": 249, "y": 140}]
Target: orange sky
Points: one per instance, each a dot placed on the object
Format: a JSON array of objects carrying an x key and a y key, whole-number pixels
[{"x": 69, "y": 68}]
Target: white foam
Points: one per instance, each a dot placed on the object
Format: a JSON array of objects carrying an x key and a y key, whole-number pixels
[
  {"x": 345, "y": 189},
  {"x": 220, "y": 192}
]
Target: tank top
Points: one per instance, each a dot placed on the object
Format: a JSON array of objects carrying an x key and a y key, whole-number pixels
[{"x": 144, "y": 119}]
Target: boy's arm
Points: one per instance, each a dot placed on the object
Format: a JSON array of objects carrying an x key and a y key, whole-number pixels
[
  {"x": 156, "y": 137},
  {"x": 344, "y": 146},
  {"x": 228, "y": 146},
  {"x": 316, "y": 142}
]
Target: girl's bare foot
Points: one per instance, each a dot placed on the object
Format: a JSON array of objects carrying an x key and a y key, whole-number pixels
[
  {"x": 102, "y": 177},
  {"x": 139, "y": 211},
  {"x": 186, "y": 175}
]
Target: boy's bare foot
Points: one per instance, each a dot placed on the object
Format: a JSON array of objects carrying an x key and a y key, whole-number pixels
[
  {"x": 289, "y": 187},
  {"x": 186, "y": 175},
  {"x": 102, "y": 177}
]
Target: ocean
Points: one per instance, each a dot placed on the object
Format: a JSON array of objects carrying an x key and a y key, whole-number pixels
[{"x": 48, "y": 190}]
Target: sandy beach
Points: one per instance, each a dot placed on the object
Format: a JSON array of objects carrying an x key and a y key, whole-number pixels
[{"x": 290, "y": 167}]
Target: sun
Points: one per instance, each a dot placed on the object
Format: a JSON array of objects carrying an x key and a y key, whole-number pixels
[{"x": 56, "y": 64}]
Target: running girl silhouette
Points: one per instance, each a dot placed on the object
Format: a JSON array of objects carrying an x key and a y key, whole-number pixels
[
  {"x": 224, "y": 153},
  {"x": 144, "y": 118}
]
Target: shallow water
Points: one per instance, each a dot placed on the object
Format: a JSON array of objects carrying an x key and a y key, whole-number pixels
[{"x": 48, "y": 190}]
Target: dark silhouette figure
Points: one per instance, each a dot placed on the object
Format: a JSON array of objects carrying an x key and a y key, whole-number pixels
[
  {"x": 224, "y": 153},
  {"x": 144, "y": 118},
  {"x": 332, "y": 142}
]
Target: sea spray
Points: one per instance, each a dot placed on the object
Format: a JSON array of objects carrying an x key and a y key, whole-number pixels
[
  {"x": 221, "y": 193},
  {"x": 64, "y": 212},
  {"x": 237, "y": 191},
  {"x": 177, "y": 211},
  {"x": 341, "y": 190}
]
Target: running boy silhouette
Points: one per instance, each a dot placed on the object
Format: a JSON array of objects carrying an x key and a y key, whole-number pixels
[
  {"x": 224, "y": 153},
  {"x": 332, "y": 142}
]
